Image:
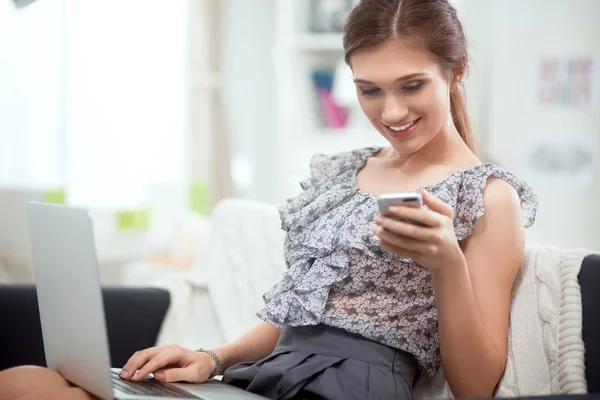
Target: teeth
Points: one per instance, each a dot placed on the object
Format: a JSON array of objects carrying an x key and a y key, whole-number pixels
[{"x": 403, "y": 127}]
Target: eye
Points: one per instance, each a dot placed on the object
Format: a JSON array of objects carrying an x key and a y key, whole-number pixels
[
  {"x": 413, "y": 88},
  {"x": 370, "y": 92}
]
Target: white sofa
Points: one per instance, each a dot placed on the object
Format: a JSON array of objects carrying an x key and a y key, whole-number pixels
[{"x": 218, "y": 298}]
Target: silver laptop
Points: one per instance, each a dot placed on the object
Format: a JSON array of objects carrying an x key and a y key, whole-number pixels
[{"x": 72, "y": 312}]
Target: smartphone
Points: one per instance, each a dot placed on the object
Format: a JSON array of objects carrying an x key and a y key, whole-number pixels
[{"x": 386, "y": 201}]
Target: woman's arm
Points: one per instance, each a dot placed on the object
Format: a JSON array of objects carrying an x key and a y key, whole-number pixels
[
  {"x": 255, "y": 344},
  {"x": 472, "y": 282},
  {"x": 172, "y": 363},
  {"x": 473, "y": 297}
]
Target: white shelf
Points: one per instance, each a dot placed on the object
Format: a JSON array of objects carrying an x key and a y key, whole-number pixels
[
  {"x": 298, "y": 53},
  {"x": 318, "y": 42}
]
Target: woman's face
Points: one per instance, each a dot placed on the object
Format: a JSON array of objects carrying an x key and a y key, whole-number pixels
[{"x": 403, "y": 92}]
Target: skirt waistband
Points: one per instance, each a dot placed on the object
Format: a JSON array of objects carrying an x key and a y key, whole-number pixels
[{"x": 327, "y": 340}]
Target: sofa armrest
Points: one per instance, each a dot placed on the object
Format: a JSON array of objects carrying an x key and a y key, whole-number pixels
[
  {"x": 133, "y": 318},
  {"x": 589, "y": 281}
]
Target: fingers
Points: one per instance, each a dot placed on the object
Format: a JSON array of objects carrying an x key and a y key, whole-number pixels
[
  {"x": 423, "y": 216},
  {"x": 404, "y": 228},
  {"x": 165, "y": 363},
  {"x": 436, "y": 204},
  {"x": 137, "y": 360},
  {"x": 169, "y": 355},
  {"x": 398, "y": 251},
  {"x": 402, "y": 242}
]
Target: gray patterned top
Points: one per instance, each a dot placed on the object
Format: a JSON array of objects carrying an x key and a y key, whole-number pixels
[{"x": 337, "y": 273}]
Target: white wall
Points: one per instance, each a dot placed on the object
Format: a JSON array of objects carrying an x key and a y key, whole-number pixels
[
  {"x": 511, "y": 35},
  {"x": 248, "y": 80},
  {"x": 476, "y": 16}
]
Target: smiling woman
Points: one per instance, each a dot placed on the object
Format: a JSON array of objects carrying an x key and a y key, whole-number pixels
[
  {"x": 408, "y": 59},
  {"x": 370, "y": 302},
  {"x": 399, "y": 101},
  {"x": 425, "y": 57}
]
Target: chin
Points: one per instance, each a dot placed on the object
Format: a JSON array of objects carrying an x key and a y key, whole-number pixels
[
  {"x": 402, "y": 148},
  {"x": 410, "y": 146}
]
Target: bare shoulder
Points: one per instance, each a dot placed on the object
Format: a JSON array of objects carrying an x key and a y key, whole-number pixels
[
  {"x": 500, "y": 196},
  {"x": 500, "y": 227}
]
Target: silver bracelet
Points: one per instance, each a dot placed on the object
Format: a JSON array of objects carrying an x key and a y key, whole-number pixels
[{"x": 218, "y": 366}]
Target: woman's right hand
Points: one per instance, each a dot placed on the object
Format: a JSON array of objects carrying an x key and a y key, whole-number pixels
[{"x": 170, "y": 363}]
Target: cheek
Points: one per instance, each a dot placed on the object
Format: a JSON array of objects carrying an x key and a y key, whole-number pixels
[{"x": 435, "y": 103}]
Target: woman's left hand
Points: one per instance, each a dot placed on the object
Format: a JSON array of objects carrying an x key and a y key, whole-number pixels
[{"x": 433, "y": 245}]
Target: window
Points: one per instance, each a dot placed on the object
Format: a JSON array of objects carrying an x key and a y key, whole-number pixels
[{"x": 124, "y": 81}]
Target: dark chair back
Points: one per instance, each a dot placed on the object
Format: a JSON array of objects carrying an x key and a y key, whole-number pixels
[
  {"x": 133, "y": 320},
  {"x": 589, "y": 281}
]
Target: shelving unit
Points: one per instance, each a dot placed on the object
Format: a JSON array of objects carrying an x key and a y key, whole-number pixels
[
  {"x": 297, "y": 53},
  {"x": 317, "y": 42}
]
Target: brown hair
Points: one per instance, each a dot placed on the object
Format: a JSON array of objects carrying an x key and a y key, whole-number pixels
[{"x": 432, "y": 25}]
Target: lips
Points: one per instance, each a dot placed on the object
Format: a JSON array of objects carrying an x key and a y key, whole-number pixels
[
  {"x": 402, "y": 131},
  {"x": 403, "y": 127}
]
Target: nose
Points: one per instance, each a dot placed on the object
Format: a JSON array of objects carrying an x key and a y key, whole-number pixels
[{"x": 394, "y": 110}]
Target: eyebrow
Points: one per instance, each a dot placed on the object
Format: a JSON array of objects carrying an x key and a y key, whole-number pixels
[{"x": 404, "y": 78}]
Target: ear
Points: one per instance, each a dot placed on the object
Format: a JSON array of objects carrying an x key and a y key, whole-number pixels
[
  {"x": 457, "y": 77},
  {"x": 460, "y": 71},
  {"x": 455, "y": 83}
]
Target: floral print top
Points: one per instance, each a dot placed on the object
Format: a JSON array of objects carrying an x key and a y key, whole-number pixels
[{"x": 339, "y": 276}]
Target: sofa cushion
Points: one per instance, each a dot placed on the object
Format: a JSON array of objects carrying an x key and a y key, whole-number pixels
[{"x": 243, "y": 259}]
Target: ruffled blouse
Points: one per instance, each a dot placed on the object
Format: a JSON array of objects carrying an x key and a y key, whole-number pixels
[{"x": 339, "y": 276}]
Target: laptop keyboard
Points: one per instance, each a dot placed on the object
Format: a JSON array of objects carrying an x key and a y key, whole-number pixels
[{"x": 149, "y": 388}]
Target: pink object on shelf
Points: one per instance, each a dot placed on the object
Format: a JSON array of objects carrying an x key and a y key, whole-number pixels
[{"x": 334, "y": 115}]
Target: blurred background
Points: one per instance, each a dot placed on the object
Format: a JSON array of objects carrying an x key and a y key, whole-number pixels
[{"x": 149, "y": 112}]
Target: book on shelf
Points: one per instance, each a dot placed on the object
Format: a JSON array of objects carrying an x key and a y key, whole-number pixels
[{"x": 331, "y": 114}]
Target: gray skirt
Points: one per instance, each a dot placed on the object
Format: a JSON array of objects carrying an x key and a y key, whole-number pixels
[{"x": 316, "y": 362}]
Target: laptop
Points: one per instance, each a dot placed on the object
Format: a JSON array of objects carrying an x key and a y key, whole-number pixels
[{"x": 72, "y": 313}]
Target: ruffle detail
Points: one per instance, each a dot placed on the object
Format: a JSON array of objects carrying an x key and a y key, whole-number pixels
[
  {"x": 469, "y": 204},
  {"x": 317, "y": 257}
]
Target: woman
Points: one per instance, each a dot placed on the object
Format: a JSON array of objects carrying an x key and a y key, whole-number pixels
[{"x": 369, "y": 303}]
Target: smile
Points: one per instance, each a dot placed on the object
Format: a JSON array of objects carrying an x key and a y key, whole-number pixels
[
  {"x": 403, "y": 127},
  {"x": 402, "y": 131}
]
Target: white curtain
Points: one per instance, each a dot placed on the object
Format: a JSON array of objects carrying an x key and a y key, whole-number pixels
[
  {"x": 209, "y": 150},
  {"x": 108, "y": 99},
  {"x": 30, "y": 92},
  {"x": 126, "y": 99}
]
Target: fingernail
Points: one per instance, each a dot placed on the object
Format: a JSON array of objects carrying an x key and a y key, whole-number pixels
[
  {"x": 123, "y": 373},
  {"x": 378, "y": 220},
  {"x": 159, "y": 376}
]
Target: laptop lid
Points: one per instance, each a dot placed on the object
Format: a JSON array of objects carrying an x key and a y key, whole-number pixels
[{"x": 69, "y": 295}]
